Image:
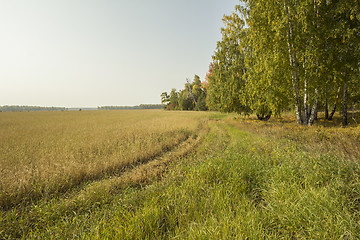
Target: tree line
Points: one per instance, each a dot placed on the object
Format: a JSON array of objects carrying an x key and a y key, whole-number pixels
[
  {"x": 141, "y": 106},
  {"x": 15, "y": 108},
  {"x": 282, "y": 55}
]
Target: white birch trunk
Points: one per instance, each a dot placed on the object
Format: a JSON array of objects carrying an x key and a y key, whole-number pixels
[
  {"x": 314, "y": 108},
  {"x": 344, "y": 111},
  {"x": 306, "y": 99},
  {"x": 294, "y": 65}
]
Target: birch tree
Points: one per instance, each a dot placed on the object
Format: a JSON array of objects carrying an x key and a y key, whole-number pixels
[{"x": 226, "y": 85}]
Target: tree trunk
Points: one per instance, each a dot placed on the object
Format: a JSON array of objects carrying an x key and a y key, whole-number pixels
[
  {"x": 314, "y": 109},
  {"x": 326, "y": 105},
  {"x": 326, "y": 108},
  {"x": 312, "y": 113},
  {"x": 334, "y": 108},
  {"x": 344, "y": 111},
  {"x": 295, "y": 82},
  {"x": 294, "y": 65},
  {"x": 298, "y": 111},
  {"x": 353, "y": 112},
  {"x": 306, "y": 106},
  {"x": 332, "y": 112}
]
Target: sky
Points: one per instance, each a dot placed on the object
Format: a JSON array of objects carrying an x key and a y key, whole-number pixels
[{"x": 89, "y": 53}]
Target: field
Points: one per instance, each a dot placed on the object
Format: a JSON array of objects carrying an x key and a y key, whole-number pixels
[{"x": 152, "y": 174}]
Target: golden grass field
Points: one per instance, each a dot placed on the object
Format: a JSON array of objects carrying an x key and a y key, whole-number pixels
[
  {"x": 154, "y": 174},
  {"x": 45, "y": 153}
]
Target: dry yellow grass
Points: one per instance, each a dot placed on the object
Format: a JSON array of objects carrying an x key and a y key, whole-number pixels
[{"x": 44, "y": 153}]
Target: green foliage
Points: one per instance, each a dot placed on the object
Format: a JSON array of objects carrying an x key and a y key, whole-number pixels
[
  {"x": 192, "y": 97},
  {"x": 165, "y": 98},
  {"x": 226, "y": 83}
]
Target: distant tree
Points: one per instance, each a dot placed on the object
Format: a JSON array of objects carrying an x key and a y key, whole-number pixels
[
  {"x": 173, "y": 100},
  {"x": 191, "y": 97},
  {"x": 165, "y": 99},
  {"x": 186, "y": 100},
  {"x": 199, "y": 93}
]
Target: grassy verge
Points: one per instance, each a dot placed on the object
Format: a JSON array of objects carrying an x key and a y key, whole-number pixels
[{"x": 246, "y": 180}]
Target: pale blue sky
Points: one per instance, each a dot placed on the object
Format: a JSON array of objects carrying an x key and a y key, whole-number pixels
[{"x": 92, "y": 53}]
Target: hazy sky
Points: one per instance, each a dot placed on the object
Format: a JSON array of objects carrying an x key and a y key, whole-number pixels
[{"x": 92, "y": 53}]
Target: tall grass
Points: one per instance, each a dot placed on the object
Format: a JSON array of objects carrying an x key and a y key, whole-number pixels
[
  {"x": 255, "y": 188},
  {"x": 42, "y": 153},
  {"x": 246, "y": 180}
]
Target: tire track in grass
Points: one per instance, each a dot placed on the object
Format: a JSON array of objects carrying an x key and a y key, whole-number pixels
[
  {"x": 32, "y": 195},
  {"x": 94, "y": 193}
]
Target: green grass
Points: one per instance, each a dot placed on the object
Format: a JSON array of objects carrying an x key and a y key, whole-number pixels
[{"x": 246, "y": 180}]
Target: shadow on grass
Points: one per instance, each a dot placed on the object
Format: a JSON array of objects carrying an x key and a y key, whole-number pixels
[{"x": 289, "y": 118}]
